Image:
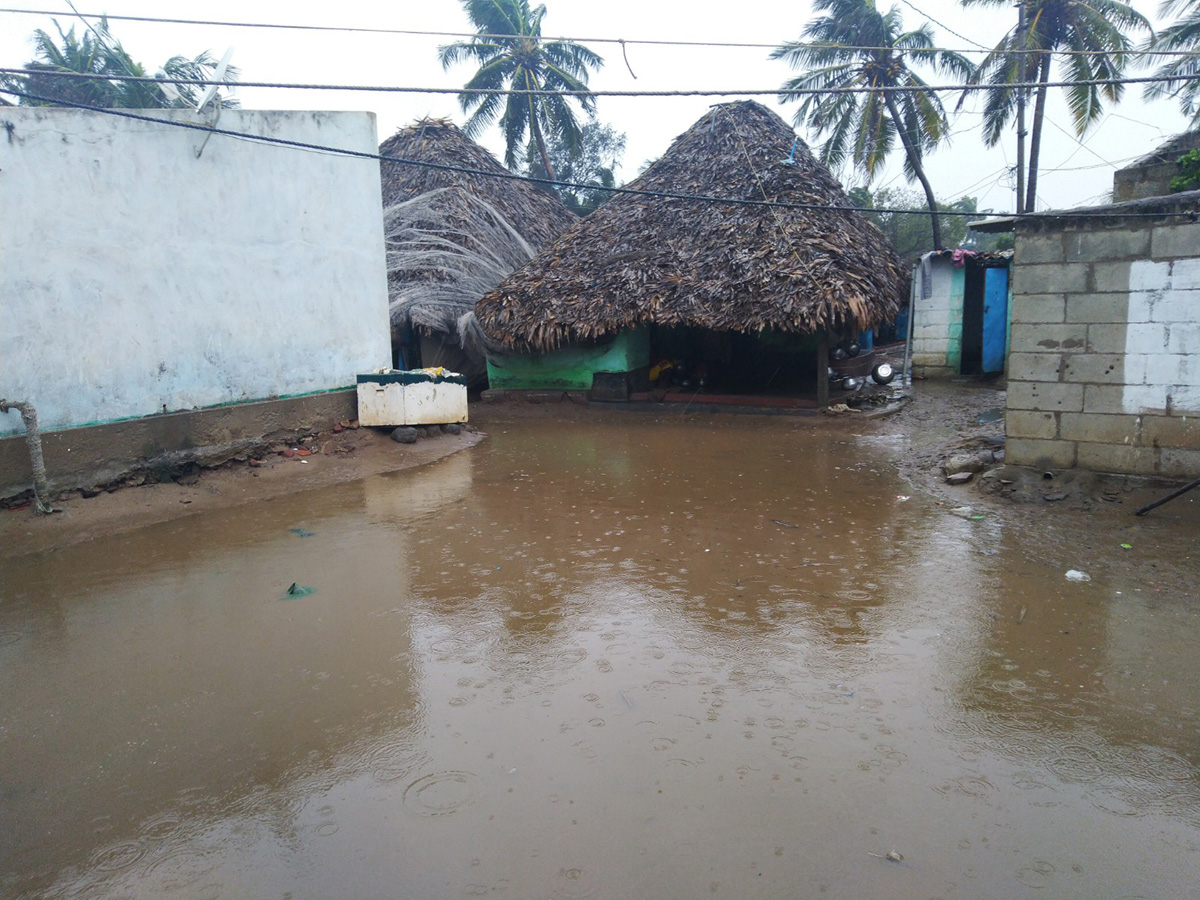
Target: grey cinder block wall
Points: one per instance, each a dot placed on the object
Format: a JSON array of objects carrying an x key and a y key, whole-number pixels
[
  {"x": 1151, "y": 175},
  {"x": 1104, "y": 365}
]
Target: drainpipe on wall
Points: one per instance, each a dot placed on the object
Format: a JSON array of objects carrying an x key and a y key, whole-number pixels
[
  {"x": 33, "y": 438},
  {"x": 906, "y": 372}
]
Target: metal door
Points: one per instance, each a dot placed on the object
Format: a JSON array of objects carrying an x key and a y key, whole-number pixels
[{"x": 995, "y": 319}]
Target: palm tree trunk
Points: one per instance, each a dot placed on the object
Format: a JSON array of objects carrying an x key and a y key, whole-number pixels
[
  {"x": 541, "y": 145},
  {"x": 914, "y": 160},
  {"x": 1035, "y": 138},
  {"x": 536, "y": 131}
]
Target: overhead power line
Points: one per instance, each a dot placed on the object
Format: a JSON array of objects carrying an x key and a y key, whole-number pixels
[
  {"x": 99, "y": 37},
  {"x": 944, "y": 26},
  {"x": 651, "y": 42},
  {"x": 540, "y": 92},
  {"x": 510, "y": 176}
]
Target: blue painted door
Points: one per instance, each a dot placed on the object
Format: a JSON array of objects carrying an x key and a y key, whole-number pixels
[{"x": 995, "y": 319}]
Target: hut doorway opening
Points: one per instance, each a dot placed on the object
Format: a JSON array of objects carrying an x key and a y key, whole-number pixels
[
  {"x": 984, "y": 319},
  {"x": 700, "y": 360}
]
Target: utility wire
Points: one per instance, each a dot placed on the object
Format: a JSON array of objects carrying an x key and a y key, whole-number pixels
[
  {"x": 1082, "y": 146},
  {"x": 1104, "y": 165},
  {"x": 546, "y": 39},
  {"x": 782, "y": 93},
  {"x": 945, "y": 27},
  {"x": 100, "y": 38},
  {"x": 510, "y": 176}
]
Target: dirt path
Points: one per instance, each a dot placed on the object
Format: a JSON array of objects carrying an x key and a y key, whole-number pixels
[{"x": 330, "y": 459}]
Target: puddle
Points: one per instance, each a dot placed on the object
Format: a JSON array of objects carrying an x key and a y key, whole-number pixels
[{"x": 697, "y": 658}]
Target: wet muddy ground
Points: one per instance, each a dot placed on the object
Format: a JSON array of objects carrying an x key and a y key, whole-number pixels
[{"x": 642, "y": 655}]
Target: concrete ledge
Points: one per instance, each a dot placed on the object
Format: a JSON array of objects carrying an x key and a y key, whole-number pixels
[
  {"x": 102, "y": 454},
  {"x": 496, "y": 395}
]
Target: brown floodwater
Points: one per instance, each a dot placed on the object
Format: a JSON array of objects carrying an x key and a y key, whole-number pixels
[{"x": 708, "y": 657}]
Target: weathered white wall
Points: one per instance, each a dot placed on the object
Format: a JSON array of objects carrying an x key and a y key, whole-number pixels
[
  {"x": 1104, "y": 369},
  {"x": 1162, "y": 337},
  {"x": 937, "y": 319},
  {"x": 136, "y": 278}
]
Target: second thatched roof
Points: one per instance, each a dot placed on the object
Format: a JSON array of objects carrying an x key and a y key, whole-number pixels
[
  {"x": 540, "y": 217},
  {"x": 641, "y": 259}
]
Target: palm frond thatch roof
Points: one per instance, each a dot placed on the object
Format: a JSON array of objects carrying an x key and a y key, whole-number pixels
[
  {"x": 640, "y": 260},
  {"x": 540, "y": 217}
]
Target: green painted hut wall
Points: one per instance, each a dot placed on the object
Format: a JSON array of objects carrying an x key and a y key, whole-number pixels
[
  {"x": 958, "y": 294},
  {"x": 571, "y": 368}
]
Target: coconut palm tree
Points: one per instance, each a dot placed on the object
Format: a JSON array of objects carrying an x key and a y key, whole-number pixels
[
  {"x": 1095, "y": 34},
  {"x": 98, "y": 53},
  {"x": 855, "y": 45},
  {"x": 511, "y": 54},
  {"x": 1182, "y": 72}
]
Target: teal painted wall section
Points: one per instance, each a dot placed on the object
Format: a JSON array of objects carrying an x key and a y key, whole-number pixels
[
  {"x": 1008, "y": 324},
  {"x": 958, "y": 293},
  {"x": 572, "y": 368}
]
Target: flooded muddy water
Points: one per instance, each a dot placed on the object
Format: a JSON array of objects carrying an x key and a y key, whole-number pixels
[{"x": 628, "y": 659}]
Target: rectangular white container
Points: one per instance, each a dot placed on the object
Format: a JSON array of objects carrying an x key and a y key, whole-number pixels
[{"x": 411, "y": 398}]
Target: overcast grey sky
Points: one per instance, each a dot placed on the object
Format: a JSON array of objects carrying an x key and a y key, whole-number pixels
[{"x": 1072, "y": 173}]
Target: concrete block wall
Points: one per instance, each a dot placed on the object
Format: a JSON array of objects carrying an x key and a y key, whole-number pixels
[
  {"x": 937, "y": 322},
  {"x": 1151, "y": 176},
  {"x": 1104, "y": 365}
]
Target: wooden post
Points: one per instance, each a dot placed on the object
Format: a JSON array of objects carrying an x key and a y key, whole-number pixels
[
  {"x": 823, "y": 369},
  {"x": 1021, "y": 110}
]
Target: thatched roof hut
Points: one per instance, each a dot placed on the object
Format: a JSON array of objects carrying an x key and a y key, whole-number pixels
[
  {"x": 540, "y": 217},
  {"x": 452, "y": 236},
  {"x": 643, "y": 260}
]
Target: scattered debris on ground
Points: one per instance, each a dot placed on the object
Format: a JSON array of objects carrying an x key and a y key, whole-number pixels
[{"x": 955, "y": 433}]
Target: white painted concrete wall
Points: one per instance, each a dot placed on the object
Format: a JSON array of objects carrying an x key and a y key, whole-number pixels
[
  {"x": 135, "y": 277},
  {"x": 937, "y": 319},
  {"x": 1162, "y": 337}
]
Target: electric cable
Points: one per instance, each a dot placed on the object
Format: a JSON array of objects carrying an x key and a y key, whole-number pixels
[
  {"x": 945, "y": 27},
  {"x": 349, "y": 29},
  {"x": 782, "y": 93},
  {"x": 638, "y": 192}
]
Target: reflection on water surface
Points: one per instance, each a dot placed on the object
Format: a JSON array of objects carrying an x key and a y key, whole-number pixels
[{"x": 696, "y": 658}]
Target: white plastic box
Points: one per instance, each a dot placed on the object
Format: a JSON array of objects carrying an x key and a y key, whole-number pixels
[{"x": 414, "y": 397}]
